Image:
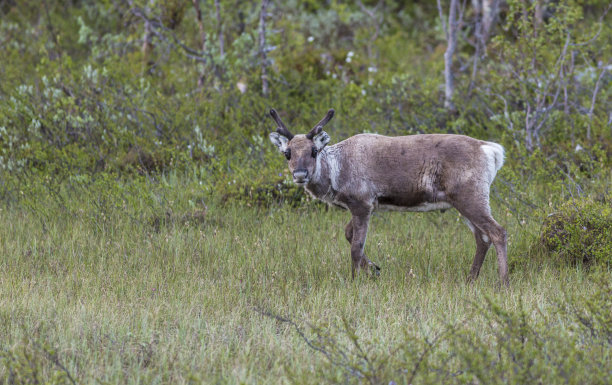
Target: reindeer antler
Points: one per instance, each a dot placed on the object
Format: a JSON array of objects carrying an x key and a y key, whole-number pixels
[
  {"x": 319, "y": 126},
  {"x": 281, "y": 129}
]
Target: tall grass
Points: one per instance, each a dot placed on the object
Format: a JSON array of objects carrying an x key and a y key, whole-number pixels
[{"x": 178, "y": 298}]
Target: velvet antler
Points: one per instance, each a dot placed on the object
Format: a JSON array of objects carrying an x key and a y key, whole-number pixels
[
  {"x": 319, "y": 126},
  {"x": 281, "y": 129}
]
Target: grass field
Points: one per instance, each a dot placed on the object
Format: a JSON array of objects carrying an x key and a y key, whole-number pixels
[{"x": 193, "y": 299}]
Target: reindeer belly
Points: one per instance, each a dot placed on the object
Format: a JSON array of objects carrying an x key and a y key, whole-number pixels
[
  {"x": 426, "y": 206},
  {"x": 418, "y": 204}
]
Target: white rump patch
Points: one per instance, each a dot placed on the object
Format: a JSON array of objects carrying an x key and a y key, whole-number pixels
[
  {"x": 494, "y": 158},
  {"x": 279, "y": 141},
  {"x": 485, "y": 238}
]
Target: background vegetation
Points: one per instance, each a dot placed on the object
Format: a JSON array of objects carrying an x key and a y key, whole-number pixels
[{"x": 150, "y": 232}]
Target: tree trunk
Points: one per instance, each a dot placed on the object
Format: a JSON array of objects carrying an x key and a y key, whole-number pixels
[
  {"x": 196, "y": 5},
  {"x": 220, "y": 28},
  {"x": 537, "y": 16},
  {"x": 479, "y": 43},
  {"x": 147, "y": 38},
  {"x": 51, "y": 29},
  {"x": 489, "y": 13},
  {"x": 262, "y": 47},
  {"x": 451, "y": 40},
  {"x": 485, "y": 12}
]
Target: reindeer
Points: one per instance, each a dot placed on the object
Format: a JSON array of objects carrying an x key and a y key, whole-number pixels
[{"x": 369, "y": 172}]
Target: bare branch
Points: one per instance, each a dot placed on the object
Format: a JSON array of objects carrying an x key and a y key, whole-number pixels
[
  {"x": 262, "y": 47},
  {"x": 600, "y": 22},
  {"x": 376, "y": 20},
  {"x": 489, "y": 13},
  {"x": 535, "y": 121},
  {"x": 158, "y": 28},
  {"x": 334, "y": 361},
  {"x": 441, "y": 13},
  {"x": 430, "y": 345},
  {"x": 147, "y": 44},
  {"x": 196, "y": 5},
  {"x": 594, "y": 98},
  {"x": 448, "y": 55},
  {"x": 52, "y": 356},
  {"x": 52, "y": 30},
  {"x": 220, "y": 28}
]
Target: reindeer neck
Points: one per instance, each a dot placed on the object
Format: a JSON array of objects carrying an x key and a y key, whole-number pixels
[{"x": 323, "y": 185}]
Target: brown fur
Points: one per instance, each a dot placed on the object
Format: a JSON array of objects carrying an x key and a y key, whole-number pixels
[{"x": 413, "y": 173}]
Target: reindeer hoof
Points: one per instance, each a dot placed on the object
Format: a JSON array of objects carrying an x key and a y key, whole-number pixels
[{"x": 374, "y": 269}]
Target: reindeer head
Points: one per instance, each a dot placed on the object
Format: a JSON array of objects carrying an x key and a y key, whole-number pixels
[{"x": 301, "y": 151}]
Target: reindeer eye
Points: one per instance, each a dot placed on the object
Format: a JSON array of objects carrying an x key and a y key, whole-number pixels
[
  {"x": 314, "y": 152},
  {"x": 288, "y": 154}
]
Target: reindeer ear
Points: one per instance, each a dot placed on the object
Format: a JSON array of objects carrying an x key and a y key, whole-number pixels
[
  {"x": 279, "y": 141},
  {"x": 320, "y": 140}
]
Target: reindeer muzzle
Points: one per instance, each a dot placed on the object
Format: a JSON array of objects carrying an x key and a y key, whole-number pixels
[{"x": 300, "y": 177}]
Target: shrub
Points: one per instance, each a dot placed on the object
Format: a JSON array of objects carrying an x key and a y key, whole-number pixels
[
  {"x": 33, "y": 363},
  {"x": 493, "y": 345},
  {"x": 580, "y": 231}
]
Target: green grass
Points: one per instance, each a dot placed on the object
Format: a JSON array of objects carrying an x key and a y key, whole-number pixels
[{"x": 121, "y": 301}]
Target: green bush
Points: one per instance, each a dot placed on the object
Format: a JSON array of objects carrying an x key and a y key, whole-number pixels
[
  {"x": 81, "y": 96},
  {"x": 580, "y": 231},
  {"x": 32, "y": 362}
]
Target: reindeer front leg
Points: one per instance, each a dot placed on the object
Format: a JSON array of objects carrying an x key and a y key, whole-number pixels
[
  {"x": 348, "y": 232},
  {"x": 357, "y": 238}
]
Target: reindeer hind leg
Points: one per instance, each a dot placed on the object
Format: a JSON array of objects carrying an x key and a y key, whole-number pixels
[
  {"x": 489, "y": 231},
  {"x": 483, "y": 243}
]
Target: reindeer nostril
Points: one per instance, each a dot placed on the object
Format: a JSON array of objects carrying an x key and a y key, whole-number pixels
[{"x": 300, "y": 175}]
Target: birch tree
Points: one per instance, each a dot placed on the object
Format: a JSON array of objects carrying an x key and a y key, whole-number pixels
[
  {"x": 451, "y": 44},
  {"x": 262, "y": 47}
]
